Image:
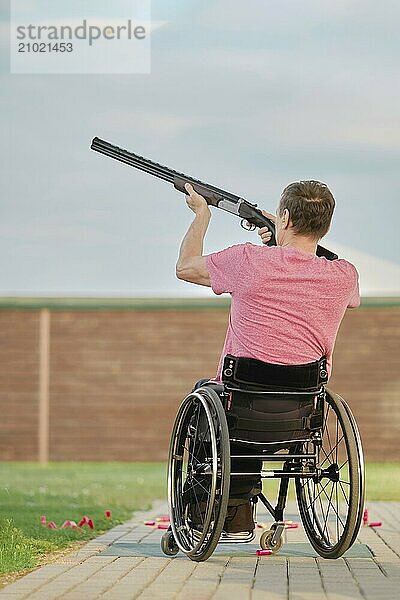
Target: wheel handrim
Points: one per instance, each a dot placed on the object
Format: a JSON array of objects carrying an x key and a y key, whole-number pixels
[
  {"x": 327, "y": 503},
  {"x": 188, "y": 475}
]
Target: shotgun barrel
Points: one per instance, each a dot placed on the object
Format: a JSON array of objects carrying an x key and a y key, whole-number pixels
[{"x": 251, "y": 216}]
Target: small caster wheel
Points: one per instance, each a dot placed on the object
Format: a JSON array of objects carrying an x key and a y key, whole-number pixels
[
  {"x": 168, "y": 544},
  {"x": 266, "y": 541}
]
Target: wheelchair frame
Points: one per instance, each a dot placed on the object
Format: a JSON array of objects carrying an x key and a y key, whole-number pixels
[{"x": 304, "y": 463}]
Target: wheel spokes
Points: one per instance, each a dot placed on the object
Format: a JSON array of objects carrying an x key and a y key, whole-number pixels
[{"x": 326, "y": 502}]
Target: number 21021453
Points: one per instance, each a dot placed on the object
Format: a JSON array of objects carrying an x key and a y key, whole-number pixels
[{"x": 45, "y": 47}]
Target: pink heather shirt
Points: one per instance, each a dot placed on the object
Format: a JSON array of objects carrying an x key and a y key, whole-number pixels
[{"x": 287, "y": 305}]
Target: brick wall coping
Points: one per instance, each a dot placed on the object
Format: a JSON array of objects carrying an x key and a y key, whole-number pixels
[{"x": 97, "y": 303}]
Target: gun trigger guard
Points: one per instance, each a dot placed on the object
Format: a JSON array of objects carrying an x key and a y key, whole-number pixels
[{"x": 247, "y": 226}]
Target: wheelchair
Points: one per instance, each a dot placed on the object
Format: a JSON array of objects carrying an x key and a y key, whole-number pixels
[{"x": 264, "y": 413}]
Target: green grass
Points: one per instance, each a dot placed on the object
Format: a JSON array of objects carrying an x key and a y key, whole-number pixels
[
  {"x": 383, "y": 481},
  {"x": 70, "y": 490},
  {"x": 64, "y": 491},
  {"x": 18, "y": 551}
]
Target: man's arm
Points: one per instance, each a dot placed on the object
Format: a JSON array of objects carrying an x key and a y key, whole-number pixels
[
  {"x": 355, "y": 299},
  {"x": 191, "y": 265}
]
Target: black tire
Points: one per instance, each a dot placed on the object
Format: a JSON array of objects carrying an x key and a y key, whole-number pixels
[
  {"x": 331, "y": 505},
  {"x": 266, "y": 539},
  {"x": 199, "y": 474},
  {"x": 168, "y": 544},
  {"x": 361, "y": 501}
]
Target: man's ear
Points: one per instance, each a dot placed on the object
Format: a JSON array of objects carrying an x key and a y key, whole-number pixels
[{"x": 285, "y": 218}]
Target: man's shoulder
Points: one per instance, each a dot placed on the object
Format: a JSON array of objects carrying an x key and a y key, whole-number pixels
[
  {"x": 345, "y": 266},
  {"x": 247, "y": 248},
  {"x": 228, "y": 249}
]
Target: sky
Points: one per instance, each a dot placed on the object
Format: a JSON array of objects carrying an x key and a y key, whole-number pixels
[{"x": 247, "y": 96}]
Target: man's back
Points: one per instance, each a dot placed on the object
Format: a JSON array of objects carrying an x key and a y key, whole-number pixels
[{"x": 287, "y": 305}]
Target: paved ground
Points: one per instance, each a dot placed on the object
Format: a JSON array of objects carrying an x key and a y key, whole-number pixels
[{"x": 126, "y": 563}]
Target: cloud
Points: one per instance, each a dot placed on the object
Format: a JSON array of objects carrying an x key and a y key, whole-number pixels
[
  {"x": 153, "y": 122},
  {"x": 284, "y": 16},
  {"x": 288, "y": 23},
  {"x": 247, "y": 107}
]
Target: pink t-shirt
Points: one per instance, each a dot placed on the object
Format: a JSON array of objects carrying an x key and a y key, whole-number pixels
[{"x": 287, "y": 305}]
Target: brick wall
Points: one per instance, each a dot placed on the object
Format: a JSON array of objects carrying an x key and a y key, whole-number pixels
[
  {"x": 367, "y": 374},
  {"x": 119, "y": 371}
]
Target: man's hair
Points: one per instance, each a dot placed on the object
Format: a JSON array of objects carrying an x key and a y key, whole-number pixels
[{"x": 310, "y": 205}]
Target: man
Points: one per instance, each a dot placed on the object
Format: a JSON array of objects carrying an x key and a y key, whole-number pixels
[{"x": 287, "y": 303}]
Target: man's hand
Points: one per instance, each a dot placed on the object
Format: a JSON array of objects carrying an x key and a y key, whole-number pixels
[
  {"x": 264, "y": 232},
  {"x": 196, "y": 202}
]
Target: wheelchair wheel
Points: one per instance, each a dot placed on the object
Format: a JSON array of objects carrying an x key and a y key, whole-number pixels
[
  {"x": 331, "y": 504},
  {"x": 199, "y": 474},
  {"x": 266, "y": 541},
  {"x": 168, "y": 544}
]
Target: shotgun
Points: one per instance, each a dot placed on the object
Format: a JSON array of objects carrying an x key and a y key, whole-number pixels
[{"x": 251, "y": 216}]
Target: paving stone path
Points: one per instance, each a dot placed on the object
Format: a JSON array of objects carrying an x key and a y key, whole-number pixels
[{"x": 126, "y": 563}]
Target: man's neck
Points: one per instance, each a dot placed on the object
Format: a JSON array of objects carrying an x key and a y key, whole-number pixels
[{"x": 301, "y": 243}]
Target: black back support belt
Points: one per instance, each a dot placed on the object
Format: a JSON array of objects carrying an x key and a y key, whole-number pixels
[
  {"x": 252, "y": 372},
  {"x": 311, "y": 422}
]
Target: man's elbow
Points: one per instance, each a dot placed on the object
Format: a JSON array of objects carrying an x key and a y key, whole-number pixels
[
  {"x": 355, "y": 304},
  {"x": 180, "y": 271},
  {"x": 186, "y": 274},
  {"x": 192, "y": 275},
  {"x": 193, "y": 271}
]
